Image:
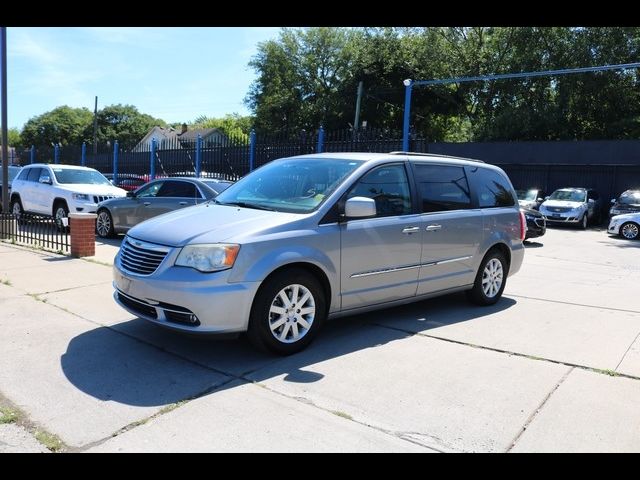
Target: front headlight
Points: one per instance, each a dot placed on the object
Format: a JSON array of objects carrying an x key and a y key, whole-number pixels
[
  {"x": 80, "y": 196},
  {"x": 208, "y": 257},
  {"x": 615, "y": 211}
]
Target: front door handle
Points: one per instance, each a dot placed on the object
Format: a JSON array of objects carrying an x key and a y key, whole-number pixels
[
  {"x": 410, "y": 230},
  {"x": 433, "y": 228},
  {"x": 146, "y": 204},
  {"x": 182, "y": 203}
]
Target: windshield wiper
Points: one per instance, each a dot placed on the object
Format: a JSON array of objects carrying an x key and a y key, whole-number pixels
[{"x": 245, "y": 205}]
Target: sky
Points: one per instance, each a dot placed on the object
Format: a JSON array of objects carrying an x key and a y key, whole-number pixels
[{"x": 175, "y": 74}]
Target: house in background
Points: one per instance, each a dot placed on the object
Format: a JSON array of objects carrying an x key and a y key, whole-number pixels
[{"x": 168, "y": 137}]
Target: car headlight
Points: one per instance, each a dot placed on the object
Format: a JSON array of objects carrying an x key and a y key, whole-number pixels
[
  {"x": 80, "y": 196},
  {"x": 208, "y": 257},
  {"x": 530, "y": 217},
  {"x": 615, "y": 211}
]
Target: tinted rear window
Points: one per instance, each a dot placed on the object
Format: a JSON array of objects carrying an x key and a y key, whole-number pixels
[
  {"x": 493, "y": 189},
  {"x": 442, "y": 188}
]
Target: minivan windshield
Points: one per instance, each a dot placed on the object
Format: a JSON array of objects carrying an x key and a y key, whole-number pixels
[
  {"x": 569, "y": 195},
  {"x": 289, "y": 185},
  {"x": 77, "y": 175}
]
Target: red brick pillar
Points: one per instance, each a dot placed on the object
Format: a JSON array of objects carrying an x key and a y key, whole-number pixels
[{"x": 83, "y": 236}]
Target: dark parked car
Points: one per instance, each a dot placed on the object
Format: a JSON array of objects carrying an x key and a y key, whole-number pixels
[
  {"x": 13, "y": 171},
  {"x": 128, "y": 181},
  {"x": 531, "y": 198},
  {"x": 627, "y": 202},
  {"x": 154, "y": 198},
  {"x": 536, "y": 223}
]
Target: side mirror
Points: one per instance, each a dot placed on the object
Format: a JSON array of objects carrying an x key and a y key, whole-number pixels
[
  {"x": 540, "y": 199},
  {"x": 613, "y": 200},
  {"x": 360, "y": 207},
  {"x": 45, "y": 179},
  {"x": 591, "y": 200},
  {"x": 546, "y": 198},
  {"x": 131, "y": 194}
]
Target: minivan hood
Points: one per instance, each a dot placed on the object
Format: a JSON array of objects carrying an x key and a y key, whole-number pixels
[
  {"x": 562, "y": 203},
  {"x": 207, "y": 223}
]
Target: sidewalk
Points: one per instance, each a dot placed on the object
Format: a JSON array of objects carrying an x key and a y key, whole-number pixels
[{"x": 527, "y": 374}]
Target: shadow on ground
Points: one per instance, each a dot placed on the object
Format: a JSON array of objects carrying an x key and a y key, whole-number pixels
[{"x": 101, "y": 364}]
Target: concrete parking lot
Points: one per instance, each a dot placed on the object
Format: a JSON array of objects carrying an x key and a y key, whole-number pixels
[{"x": 554, "y": 366}]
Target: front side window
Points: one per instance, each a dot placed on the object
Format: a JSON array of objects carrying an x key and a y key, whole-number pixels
[
  {"x": 442, "y": 188},
  {"x": 289, "y": 185},
  {"x": 150, "y": 190},
  {"x": 79, "y": 176},
  {"x": 34, "y": 174},
  {"x": 389, "y": 187}
]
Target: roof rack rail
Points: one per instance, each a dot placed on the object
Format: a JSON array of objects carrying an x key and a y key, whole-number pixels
[{"x": 418, "y": 154}]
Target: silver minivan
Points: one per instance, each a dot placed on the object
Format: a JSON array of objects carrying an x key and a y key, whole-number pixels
[{"x": 326, "y": 235}]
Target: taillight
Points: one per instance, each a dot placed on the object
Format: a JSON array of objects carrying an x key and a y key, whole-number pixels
[{"x": 523, "y": 225}]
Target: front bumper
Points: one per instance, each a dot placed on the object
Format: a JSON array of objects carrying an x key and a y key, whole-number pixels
[{"x": 184, "y": 299}]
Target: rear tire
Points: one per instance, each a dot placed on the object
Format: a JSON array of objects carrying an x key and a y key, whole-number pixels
[
  {"x": 287, "y": 312},
  {"x": 104, "y": 224},
  {"x": 630, "y": 230},
  {"x": 17, "y": 210},
  {"x": 490, "y": 279}
]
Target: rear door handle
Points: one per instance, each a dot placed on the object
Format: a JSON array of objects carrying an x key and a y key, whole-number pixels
[
  {"x": 182, "y": 203},
  {"x": 410, "y": 230},
  {"x": 146, "y": 204},
  {"x": 433, "y": 228}
]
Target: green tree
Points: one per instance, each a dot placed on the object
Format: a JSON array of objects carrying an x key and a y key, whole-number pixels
[
  {"x": 123, "y": 123},
  {"x": 15, "y": 140},
  {"x": 233, "y": 125},
  {"x": 63, "y": 125}
]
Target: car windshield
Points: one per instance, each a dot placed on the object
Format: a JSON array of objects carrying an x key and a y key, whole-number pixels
[
  {"x": 77, "y": 175},
  {"x": 569, "y": 195},
  {"x": 530, "y": 195},
  {"x": 289, "y": 185},
  {"x": 630, "y": 198}
]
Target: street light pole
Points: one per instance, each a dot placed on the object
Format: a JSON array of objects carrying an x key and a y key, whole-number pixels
[{"x": 5, "y": 136}]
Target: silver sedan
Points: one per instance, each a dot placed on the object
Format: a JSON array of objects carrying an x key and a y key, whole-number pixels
[{"x": 118, "y": 215}]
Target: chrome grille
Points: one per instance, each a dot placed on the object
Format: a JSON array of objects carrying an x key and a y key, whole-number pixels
[
  {"x": 560, "y": 209},
  {"x": 102, "y": 198},
  {"x": 141, "y": 257}
]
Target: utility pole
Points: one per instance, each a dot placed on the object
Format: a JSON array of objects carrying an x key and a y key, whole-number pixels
[
  {"x": 357, "y": 119},
  {"x": 5, "y": 136},
  {"x": 95, "y": 128}
]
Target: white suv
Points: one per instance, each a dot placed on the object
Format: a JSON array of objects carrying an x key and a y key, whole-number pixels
[{"x": 59, "y": 189}]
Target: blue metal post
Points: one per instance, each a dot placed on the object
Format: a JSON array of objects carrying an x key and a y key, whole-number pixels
[
  {"x": 115, "y": 162},
  {"x": 83, "y": 160},
  {"x": 33, "y": 154},
  {"x": 56, "y": 153},
  {"x": 198, "y": 154},
  {"x": 152, "y": 168},
  {"x": 407, "y": 114},
  {"x": 320, "y": 139},
  {"x": 252, "y": 149}
]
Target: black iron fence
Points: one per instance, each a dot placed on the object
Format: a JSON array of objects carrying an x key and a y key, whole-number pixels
[
  {"x": 610, "y": 166},
  {"x": 33, "y": 230}
]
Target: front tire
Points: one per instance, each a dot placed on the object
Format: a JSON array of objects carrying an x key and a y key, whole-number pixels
[
  {"x": 104, "y": 224},
  {"x": 630, "y": 230},
  {"x": 287, "y": 312},
  {"x": 60, "y": 211},
  {"x": 584, "y": 222},
  {"x": 490, "y": 279}
]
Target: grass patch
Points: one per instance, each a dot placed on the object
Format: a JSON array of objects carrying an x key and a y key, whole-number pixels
[
  {"x": 8, "y": 415},
  {"x": 6, "y": 281},
  {"x": 342, "y": 414},
  {"x": 99, "y": 262},
  {"x": 611, "y": 373},
  {"x": 49, "y": 440}
]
